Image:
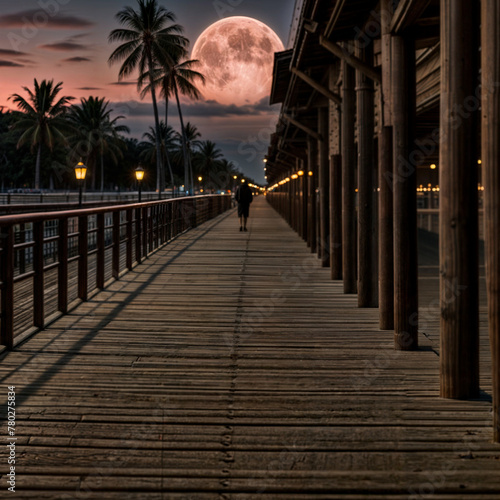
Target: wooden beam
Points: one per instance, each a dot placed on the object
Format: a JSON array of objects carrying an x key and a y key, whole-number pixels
[
  {"x": 351, "y": 59},
  {"x": 407, "y": 12},
  {"x": 490, "y": 156},
  {"x": 307, "y": 130},
  {"x": 458, "y": 200},
  {"x": 349, "y": 234},
  {"x": 316, "y": 86},
  {"x": 404, "y": 185},
  {"x": 334, "y": 16}
]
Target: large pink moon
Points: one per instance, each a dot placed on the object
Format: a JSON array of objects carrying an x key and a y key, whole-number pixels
[{"x": 236, "y": 57}]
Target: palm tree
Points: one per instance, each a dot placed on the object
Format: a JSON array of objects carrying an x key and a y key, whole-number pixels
[
  {"x": 42, "y": 119},
  {"x": 174, "y": 80},
  {"x": 148, "y": 39},
  {"x": 209, "y": 158},
  {"x": 96, "y": 134},
  {"x": 148, "y": 147}
]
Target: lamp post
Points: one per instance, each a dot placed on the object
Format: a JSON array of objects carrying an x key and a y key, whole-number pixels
[
  {"x": 80, "y": 173},
  {"x": 139, "y": 175}
]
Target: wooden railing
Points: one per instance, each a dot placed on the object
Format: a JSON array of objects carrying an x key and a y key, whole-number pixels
[{"x": 50, "y": 262}]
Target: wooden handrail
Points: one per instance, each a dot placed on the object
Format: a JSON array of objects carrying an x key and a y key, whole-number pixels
[{"x": 147, "y": 227}]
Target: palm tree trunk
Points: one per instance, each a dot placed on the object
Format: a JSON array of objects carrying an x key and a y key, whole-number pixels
[
  {"x": 102, "y": 172},
  {"x": 159, "y": 162},
  {"x": 167, "y": 159},
  {"x": 37, "y": 166},
  {"x": 183, "y": 135},
  {"x": 166, "y": 109}
]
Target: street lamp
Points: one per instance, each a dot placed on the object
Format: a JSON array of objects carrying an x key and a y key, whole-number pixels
[
  {"x": 139, "y": 175},
  {"x": 200, "y": 178},
  {"x": 80, "y": 173}
]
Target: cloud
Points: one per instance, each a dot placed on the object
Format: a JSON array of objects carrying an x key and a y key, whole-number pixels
[
  {"x": 123, "y": 83},
  {"x": 198, "y": 109},
  {"x": 41, "y": 18},
  {"x": 10, "y": 64},
  {"x": 76, "y": 59},
  {"x": 213, "y": 108},
  {"x": 63, "y": 46},
  {"x": 13, "y": 53},
  {"x": 89, "y": 88}
]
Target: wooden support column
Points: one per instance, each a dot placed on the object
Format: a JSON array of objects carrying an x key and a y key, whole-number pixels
[
  {"x": 324, "y": 187},
  {"x": 312, "y": 176},
  {"x": 404, "y": 184},
  {"x": 490, "y": 156},
  {"x": 349, "y": 234},
  {"x": 385, "y": 202},
  {"x": 367, "y": 201},
  {"x": 458, "y": 200},
  {"x": 336, "y": 217},
  {"x": 303, "y": 199},
  {"x": 385, "y": 229}
]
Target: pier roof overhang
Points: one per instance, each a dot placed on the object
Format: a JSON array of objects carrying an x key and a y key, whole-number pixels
[{"x": 340, "y": 21}]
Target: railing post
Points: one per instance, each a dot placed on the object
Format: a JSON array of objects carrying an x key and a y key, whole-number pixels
[
  {"x": 62, "y": 289},
  {"x": 151, "y": 224},
  {"x": 116, "y": 244},
  {"x": 145, "y": 231},
  {"x": 83, "y": 244},
  {"x": 101, "y": 245},
  {"x": 38, "y": 278},
  {"x": 138, "y": 235},
  {"x": 130, "y": 218},
  {"x": 193, "y": 211},
  {"x": 7, "y": 324}
]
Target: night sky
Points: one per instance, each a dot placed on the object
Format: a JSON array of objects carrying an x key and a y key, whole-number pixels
[{"x": 66, "y": 40}]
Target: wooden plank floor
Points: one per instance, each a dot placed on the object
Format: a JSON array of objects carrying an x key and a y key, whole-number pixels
[{"x": 229, "y": 366}]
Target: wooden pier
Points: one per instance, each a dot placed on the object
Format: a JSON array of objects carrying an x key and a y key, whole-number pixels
[{"x": 229, "y": 365}]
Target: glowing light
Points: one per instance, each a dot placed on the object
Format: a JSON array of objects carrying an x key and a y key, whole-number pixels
[
  {"x": 300, "y": 173},
  {"x": 295, "y": 176},
  {"x": 80, "y": 171},
  {"x": 310, "y": 173},
  {"x": 433, "y": 166}
]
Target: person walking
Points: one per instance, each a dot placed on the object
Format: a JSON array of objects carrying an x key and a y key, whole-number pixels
[{"x": 244, "y": 197}]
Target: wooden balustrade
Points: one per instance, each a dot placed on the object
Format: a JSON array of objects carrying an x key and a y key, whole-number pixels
[{"x": 51, "y": 261}]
